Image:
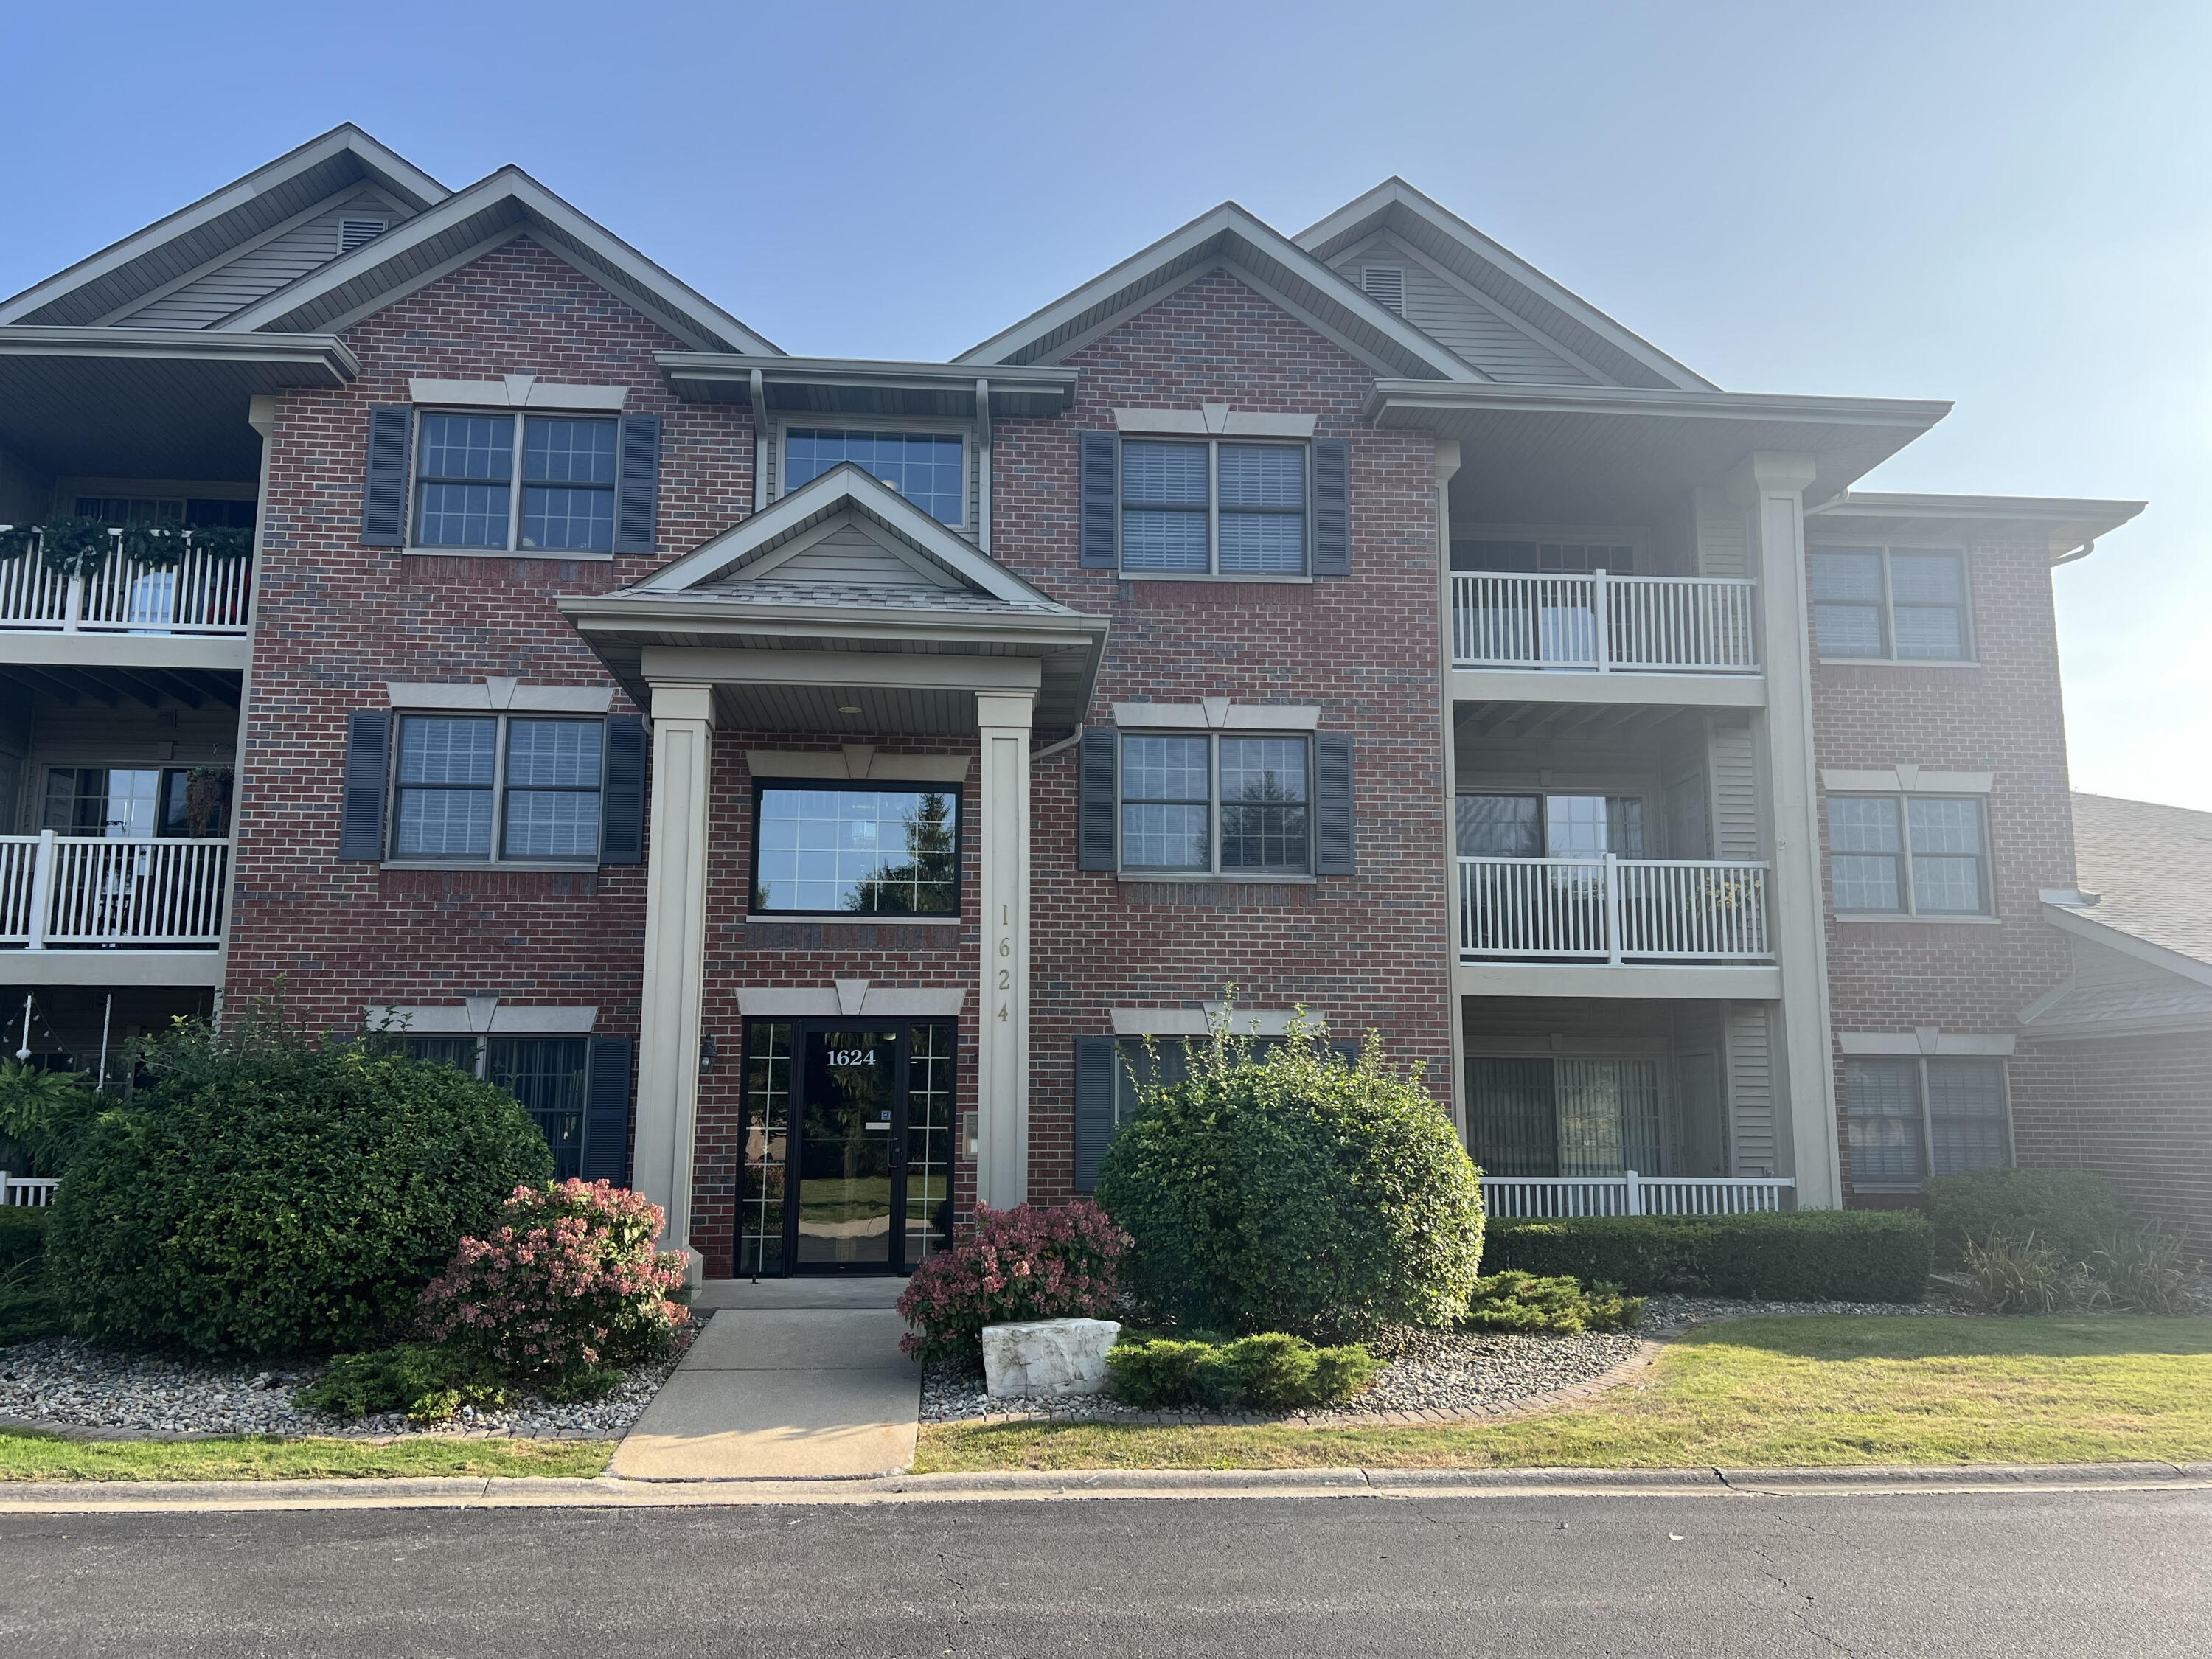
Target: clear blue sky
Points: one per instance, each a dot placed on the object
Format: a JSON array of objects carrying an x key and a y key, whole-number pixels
[{"x": 2004, "y": 205}]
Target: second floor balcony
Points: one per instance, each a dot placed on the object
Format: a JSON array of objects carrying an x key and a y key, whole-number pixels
[
  {"x": 1602, "y": 623},
  {"x": 194, "y": 589},
  {"x": 96, "y": 893},
  {"x": 1612, "y": 909}
]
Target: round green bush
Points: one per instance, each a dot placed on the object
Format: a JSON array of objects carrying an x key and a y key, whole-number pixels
[
  {"x": 1289, "y": 1192},
  {"x": 267, "y": 1195},
  {"x": 2071, "y": 1211}
]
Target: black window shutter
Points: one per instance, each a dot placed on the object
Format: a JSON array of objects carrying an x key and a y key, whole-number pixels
[
  {"x": 1348, "y": 1050},
  {"x": 368, "y": 759},
  {"x": 621, "y": 841},
  {"x": 1095, "y": 818},
  {"x": 1094, "y": 1107},
  {"x": 383, "y": 490},
  {"x": 637, "y": 484},
  {"x": 1102, "y": 500},
  {"x": 1332, "y": 498},
  {"x": 1332, "y": 840},
  {"x": 606, "y": 1112}
]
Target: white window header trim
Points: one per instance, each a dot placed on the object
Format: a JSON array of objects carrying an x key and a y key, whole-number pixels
[
  {"x": 851, "y": 999},
  {"x": 1213, "y": 420},
  {"x": 861, "y": 762},
  {"x": 519, "y": 391},
  {"x": 1905, "y": 779},
  {"x": 499, "y": 693},
  {"x": 1220, "y": 715},
  {"x": 1926, "y": 1040},
  {"x": 1198, "y": 1021},
  {"x": 475, "y": 1015}
]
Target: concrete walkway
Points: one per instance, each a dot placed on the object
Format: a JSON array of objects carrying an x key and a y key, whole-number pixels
[{"x": 792, "y": 1379}]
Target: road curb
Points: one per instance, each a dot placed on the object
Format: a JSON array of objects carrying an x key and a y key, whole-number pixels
[{"x": 480, "y": 1493}]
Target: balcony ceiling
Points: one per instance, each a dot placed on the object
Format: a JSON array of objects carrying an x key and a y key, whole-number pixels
[{"x": 122, "y": 688}]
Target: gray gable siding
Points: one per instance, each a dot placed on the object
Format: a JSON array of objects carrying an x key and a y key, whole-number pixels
[
  {"x": 1470, "y": 328},
  {"x": 849, "y": 554},
  {"x": 207, "y": 299}
]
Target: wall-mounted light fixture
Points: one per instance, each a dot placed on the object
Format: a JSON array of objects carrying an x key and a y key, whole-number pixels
[{"x": 706, "y": 1054}]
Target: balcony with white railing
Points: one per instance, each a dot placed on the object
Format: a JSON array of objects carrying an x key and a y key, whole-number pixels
[
  {"x": 1602, "y": 623},
  {"x": 1513, "y": 1197},
  {"x": 72, "y": 893},
  {"x": 1612, "y": 909},
  {"x": 27, "y": 1192},
  {"x": 203, "y": 593}
]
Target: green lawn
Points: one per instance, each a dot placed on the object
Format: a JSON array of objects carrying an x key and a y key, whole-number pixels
[
  {"x": 1758, "y": 1393},
  {"x": 269, "y": 1458}
]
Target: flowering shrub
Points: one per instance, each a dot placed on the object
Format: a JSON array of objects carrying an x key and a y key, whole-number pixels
[
  {"x": 1013, "y": 1265},
  {"x": 566, "y": 1287}
]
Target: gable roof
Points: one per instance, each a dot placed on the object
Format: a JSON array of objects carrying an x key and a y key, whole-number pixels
[
  {"x": 2151, "y": 867},
  {"x": 1256, "y": 255},
  {"x": 1553, "y": 311},
  {"x": 469, "y": 224},
  {"x": 104, "y": 283}
]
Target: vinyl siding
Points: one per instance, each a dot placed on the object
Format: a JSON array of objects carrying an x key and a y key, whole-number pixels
[
  {"x": 1736, "y": 794},
  {"x": 208, "y": 299},
  {"x": 848, "y": 554},
  {"x": 1750, "y": 1084},
  {"x": 1470, "y": 328}
]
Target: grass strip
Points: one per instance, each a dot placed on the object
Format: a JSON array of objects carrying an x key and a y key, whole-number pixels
[
  {"x": 1755, "y": 1393},
  {"x": 32, "y": 1456}
]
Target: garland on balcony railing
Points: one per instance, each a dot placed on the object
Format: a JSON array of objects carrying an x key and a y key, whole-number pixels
[{"x": 78, "y": 547}]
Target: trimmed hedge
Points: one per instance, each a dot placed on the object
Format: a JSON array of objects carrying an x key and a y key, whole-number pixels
[
  {"x": 1809, "y": 1255},
  {"x": 1271, "y": 1371},
  {"x": 2072, "y": 1211}
]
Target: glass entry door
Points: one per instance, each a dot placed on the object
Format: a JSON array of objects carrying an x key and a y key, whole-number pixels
[{"x": 847, "y": 1160}]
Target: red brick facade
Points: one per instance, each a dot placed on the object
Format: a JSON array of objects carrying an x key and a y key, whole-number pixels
[{"x": 2137, "y": 1109}]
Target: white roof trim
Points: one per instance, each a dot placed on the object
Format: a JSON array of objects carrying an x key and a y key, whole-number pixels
[
  {"x": 1395, "y": 191},
  {"x": 846, "y": 484},
  {"x": 2084, "y": 925},
  {"x": 1237, "y": 225},
  {"x": 374, "y": 156},
  {"x": 538, "y": 204}
]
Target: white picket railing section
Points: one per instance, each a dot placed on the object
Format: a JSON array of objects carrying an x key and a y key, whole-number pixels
[
  {"x": 1552, "y": 1197},
  {"x": 30, "y": 1191},
  {"x": 1613, "y": 909},
  {"x": 199, "y": 594},
  {"x": 80, "y": 892},
  {"x": 1602, "y": 623}
]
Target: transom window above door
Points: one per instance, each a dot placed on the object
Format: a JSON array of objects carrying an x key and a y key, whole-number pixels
[
  {"x": 928, "y": 468},
  {"x": 1536, "y": 826},
  {"x": 1213, "y": 507},
  {"x": 539, "y": 482}
]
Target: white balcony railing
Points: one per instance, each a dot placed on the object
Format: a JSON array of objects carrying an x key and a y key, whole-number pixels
[
  {"x": 1613, "y": 909},
  {"x": 1602, "y": 623},
  {"x": 201, "y": 593},
  {"x": 1555, "y": 1196},
  {"x": 27, "y": 1191},
  {"x": 89, "y": 892}
]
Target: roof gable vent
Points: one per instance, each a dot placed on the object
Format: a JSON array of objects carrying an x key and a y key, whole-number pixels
[
  {"x": 1385, "y": 285},
  {"x": 352, "y": 232}
]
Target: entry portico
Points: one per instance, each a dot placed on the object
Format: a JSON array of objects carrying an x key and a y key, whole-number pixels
[{"x": 842, "y": 612}]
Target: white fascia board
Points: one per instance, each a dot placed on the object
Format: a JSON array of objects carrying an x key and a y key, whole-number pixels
[
  {"x": 536, "y": 204},
  {"x": 1395, "y": 192},
  {"x": 2083, "y": 925},
  {"x": 380, "y": 162},
  {"x": 846, "y": 483},
  {"x": 1235, "y": 224},
  {"x": 325, "y": 352},
  {"x": 1695, "y": 404}
]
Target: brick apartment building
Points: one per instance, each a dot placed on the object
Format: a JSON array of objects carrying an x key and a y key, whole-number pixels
[{"x": 746, "y": 758}]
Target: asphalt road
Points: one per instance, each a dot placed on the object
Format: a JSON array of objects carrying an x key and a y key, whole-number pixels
[{"x": 2079, "y": 1574}]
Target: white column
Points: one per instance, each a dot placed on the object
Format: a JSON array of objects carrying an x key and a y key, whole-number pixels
[
  {"x": 1002, "y": 1057},
  {"x": 675, "y": 950},
  {"x": 1447, "y": 464},
  {"x": 1769, "y": 489}
]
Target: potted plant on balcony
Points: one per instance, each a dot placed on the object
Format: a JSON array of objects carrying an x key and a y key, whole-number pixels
[{"x": 207, "y": 800}]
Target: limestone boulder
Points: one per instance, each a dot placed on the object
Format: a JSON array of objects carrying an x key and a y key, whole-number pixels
[{"x": 1046, "y": 1356}]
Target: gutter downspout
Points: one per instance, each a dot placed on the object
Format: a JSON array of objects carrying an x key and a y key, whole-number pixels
[
  {"x": 760, "y": 439},
  {"x": 983, "y": 466}
]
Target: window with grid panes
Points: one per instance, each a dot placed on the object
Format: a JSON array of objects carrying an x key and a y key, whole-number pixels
[
  {"x": 1211, "y": 506},
  {"x": 1899, "y": 604},
  {"x": 833, "y": 848},
  {"x": 548, "y": 1075},
  {"x": 1921, "y": 855},
  {"x": 1235, "y": 804},
  {"x": 928, "y": 468},
  {"x": 468, "y": 783},
  {"x": 539, "y": 484},
  {"x": 1909, "y": 1118}
]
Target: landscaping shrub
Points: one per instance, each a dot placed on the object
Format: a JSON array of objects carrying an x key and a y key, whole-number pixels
[
  {"x": 2071, "y": 1211},
  {"x": 266, "y": 1194},
  {"x": 22, "y": 1235},
  {"x": 44, "y": 1118},
  {"x": 1521, "y": 1302},
  {"x": 563, "y": 1291},
  {"x": 1271, "y": 1371},
  {"x": 2020, "y": 1275},
  {"x": 428, "y": 1381},
  {"x": 1289, "y": 1192},
  {"x": 1012, "y": 1265},
  {"x": 27, "y": 1308},
  {"x": 2146, "y": 1270},
  {"x": 1805, "y": 1255}
]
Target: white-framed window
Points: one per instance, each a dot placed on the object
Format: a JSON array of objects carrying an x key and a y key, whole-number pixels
[
  {"x": 1909, "y": 1118},
  {"x": 1213, "y": 507},
  {"x": 1215, "y": 803},
  {"x": 1909, "y": 855},
  {"x": 1547, "y": 552},
  {"x": 1891, "y": 603},
  {"x": 498, "y": 788},
  {"x": 927, "y": 465},
  {"x": 502, "y": 481},
  {"x": 1554, "y": 826}
]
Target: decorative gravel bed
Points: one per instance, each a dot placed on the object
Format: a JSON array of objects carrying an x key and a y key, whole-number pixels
[
  {"x": 1665, "y": 1313},
  {"x": 63, "y": 1381}
]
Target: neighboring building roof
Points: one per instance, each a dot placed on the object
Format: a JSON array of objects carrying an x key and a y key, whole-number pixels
[
  {"x": 2151, "y": 867},
  {"x": 1258, "y": 255},
  {"x": 1516, "y": 288},
  {"x": 2071, "y": 526}
]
